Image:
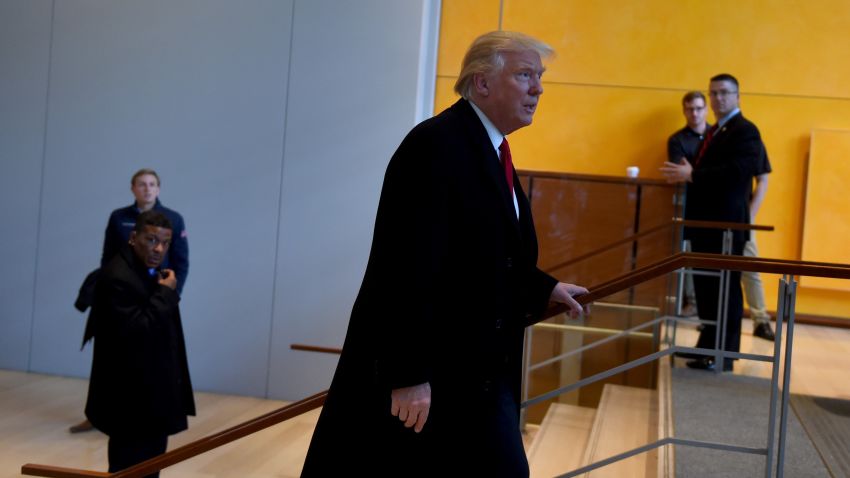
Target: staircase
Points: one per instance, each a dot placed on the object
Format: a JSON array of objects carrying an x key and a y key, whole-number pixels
[{"x": 571, "y": 437}]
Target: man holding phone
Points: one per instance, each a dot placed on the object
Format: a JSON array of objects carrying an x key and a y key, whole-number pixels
[{"x": 140, "y": 391}]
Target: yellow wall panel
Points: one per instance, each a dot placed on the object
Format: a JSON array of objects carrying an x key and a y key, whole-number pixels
[
  {"x": 827, "y": 212},
  {"x": 462, "y": 21},
  {"x": 444, "y": 95},
  {"x": 778, "y": 46},
  {"x": 592, "y": 130}
]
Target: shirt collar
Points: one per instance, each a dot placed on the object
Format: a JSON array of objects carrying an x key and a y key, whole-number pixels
[
  {"x": 493, "y": 133},
  {"x": 722, "y": 121}
]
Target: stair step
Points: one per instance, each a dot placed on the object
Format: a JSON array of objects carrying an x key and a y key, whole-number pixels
[
  {"x": 559, "y": 444},
  {"x": 626, "y": 419}
]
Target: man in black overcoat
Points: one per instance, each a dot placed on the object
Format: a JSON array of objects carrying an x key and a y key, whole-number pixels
[
  {"x": 139, "y": 391},
  {"x": 428, "y": 382},
  {"x": 721, "y": 181}
]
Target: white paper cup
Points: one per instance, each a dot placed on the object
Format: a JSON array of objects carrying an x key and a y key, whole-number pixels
[{"x": 632, "y": 171}]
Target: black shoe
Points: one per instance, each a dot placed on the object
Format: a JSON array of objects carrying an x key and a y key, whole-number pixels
[
  {"x": 688, "y": 355},
  {"x": 83, "y": 426},
  {"x": 764, "y": 331},
  {"x": 707, "y": 363}
]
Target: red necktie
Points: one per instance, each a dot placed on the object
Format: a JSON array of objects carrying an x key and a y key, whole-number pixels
[
  {"x": 505, "y": 158},
  {"x": 704, "y": 144}
]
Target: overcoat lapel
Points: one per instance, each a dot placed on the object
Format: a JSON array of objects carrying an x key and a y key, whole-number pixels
[
  {"x": 490, "y": 162},
  {"x": 723, "y": 134}
]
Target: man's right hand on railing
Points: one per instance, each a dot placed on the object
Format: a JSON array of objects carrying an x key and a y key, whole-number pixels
[
  {"x": 564, "y": 294},
  {"x": 411, "y": 405}
]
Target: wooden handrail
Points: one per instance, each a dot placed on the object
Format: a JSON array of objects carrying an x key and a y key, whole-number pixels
[
  {"x": 316, "y": 348},
  {"x": 596, "y": 178},
  {"x": 191, "y": 449},
  {"x": 665, "y": 266},
  {"x": 59, "y": 472},
  {"x": 736, "y": 226},
  {"x": 704, "y": 261}
]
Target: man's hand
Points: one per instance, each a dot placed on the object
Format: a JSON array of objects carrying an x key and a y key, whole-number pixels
[
  {"x": 170, "y": 280},
  {"x": 564, "y": 293},
  {"x": 411, "y": 405},
  {"x": 677, "y": 173}
]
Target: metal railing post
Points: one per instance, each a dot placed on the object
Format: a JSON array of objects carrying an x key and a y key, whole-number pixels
[
  {"x": 723, "y": 307},
  {"x": 786, "y": 379},
  {"x": 680, "y": 283},
  {"x": 526, "y": 375},
  {"x": 774, "y": 379}
]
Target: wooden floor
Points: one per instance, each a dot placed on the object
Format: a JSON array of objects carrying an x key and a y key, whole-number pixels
[{"x": 37, "y": 410}]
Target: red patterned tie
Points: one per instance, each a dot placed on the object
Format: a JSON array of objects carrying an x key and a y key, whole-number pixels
[
  {"x": 704, "y": 144},
  {"x": 505, "y": 158}
]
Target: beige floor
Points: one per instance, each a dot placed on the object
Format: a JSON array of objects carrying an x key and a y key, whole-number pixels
[
  {"x": 820, "y": 365},
  {"x": 37, "y": 410}
]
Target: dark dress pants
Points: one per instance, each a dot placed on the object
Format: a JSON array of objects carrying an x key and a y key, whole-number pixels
[{"x": 708, "y": 294}]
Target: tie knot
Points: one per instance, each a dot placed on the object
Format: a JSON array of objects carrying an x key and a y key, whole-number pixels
[{"x": 504, "y": 147}]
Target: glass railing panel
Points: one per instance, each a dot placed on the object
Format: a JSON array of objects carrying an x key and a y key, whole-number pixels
[
  {"x": 607, "y": 417},
  {"x": 550, "y": 366}
]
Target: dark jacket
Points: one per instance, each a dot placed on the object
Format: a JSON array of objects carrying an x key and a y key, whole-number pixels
[
  {"x": 721, "y": 191},
  {"x": 120, "y": 225},
  {"x": 86, "y": 295},
  {"x": 450, "y": 285},
  {"x": 723, "y": 181},
  {"x": 139, "y": 381}
]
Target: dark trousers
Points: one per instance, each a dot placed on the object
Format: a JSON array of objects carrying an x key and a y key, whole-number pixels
[
  {"x": 126, "y": 451},
  {"x": 707, "y": 291},
  {"x": 708, "y": 294}
]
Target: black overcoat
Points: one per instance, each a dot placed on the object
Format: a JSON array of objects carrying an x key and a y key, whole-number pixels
[
  {"x": 450, "y": 284},
  {"x": 139, "y": 381}
]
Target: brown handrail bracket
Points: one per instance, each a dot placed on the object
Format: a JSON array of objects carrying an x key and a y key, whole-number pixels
[{"x": 316, "y": 348}]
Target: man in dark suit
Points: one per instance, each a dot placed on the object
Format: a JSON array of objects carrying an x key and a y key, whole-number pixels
[
  {"x": 144, "y": 185},
  {"x": 139, "y": 391},
  {"x": 429, "y": 377},
  {"x": 721, "y": 181}
]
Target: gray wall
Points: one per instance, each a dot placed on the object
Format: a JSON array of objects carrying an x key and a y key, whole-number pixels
[{"x": 270, "y": 123}]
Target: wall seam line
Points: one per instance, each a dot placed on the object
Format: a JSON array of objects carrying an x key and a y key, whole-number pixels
[
  {"x": 664, "y": 88},
  {"x": 280, "y": 201},
  {"x": 41, "y": 185}
]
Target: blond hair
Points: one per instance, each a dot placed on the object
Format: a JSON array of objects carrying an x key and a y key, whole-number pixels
[{"x": 485, "y": 55}]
